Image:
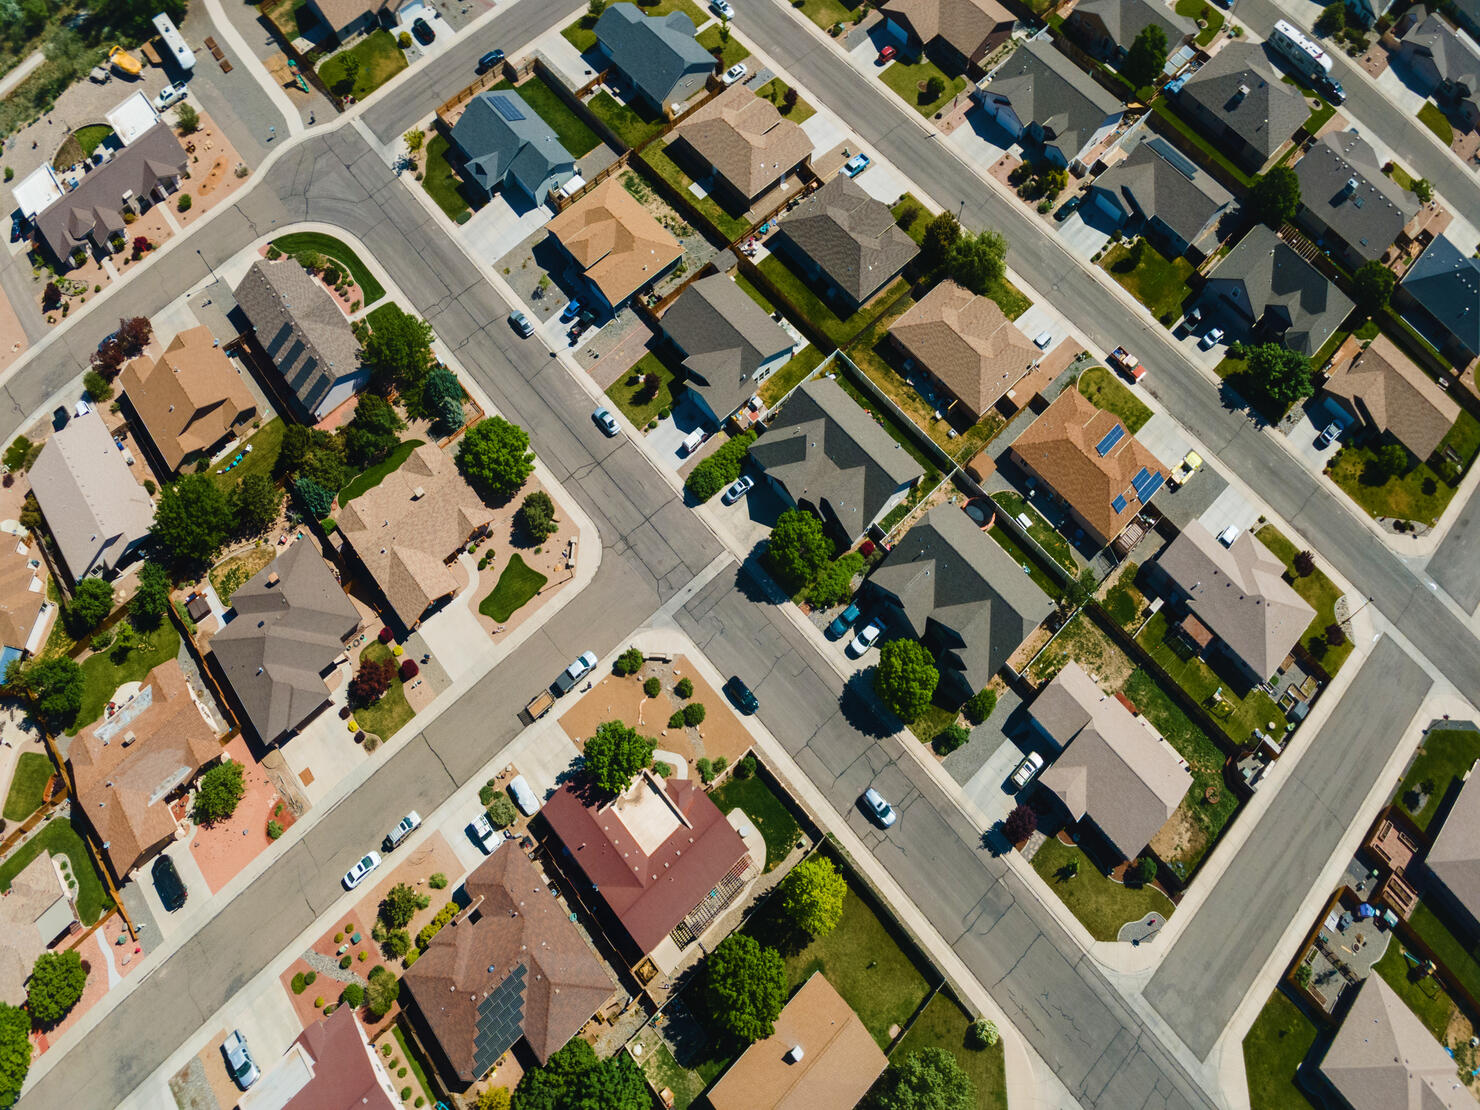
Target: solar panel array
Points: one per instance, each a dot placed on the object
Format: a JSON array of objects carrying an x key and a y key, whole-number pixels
[
  {"x": 508, "y": 107},
  {"x": 1111, "y": 438},
  {"x": 500, "y": 1021},
  {"x": 1147, "y": 484},
  {"x": 1119, "y": 503}
]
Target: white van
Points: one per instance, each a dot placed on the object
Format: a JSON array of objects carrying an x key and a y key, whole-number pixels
[{"x": 692, "y": 441}]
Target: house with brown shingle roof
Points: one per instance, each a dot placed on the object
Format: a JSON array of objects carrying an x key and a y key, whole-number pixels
[
  {"x": 510, "y": 965},
  {"x": 1383, "y": 389},
  {"x": 969, "y": 29},
  {"x": 191, "y": 399},
  {"x": 127, "y": 767},
  {"x": 615, "y": 245},
  {"x": 330, "y": 1066},
  {"x": 1113, "y": 768},
  {"x": 1097, "y": 468},
  {"x": 34, "y": 912},
  {"x": 25, "y": 612},
  {"x": 966, "y": 344},
  {"x": 408, "y": 529},
  {"x": 820, "y": 1057},
  {"x": 741, "y": 145}
]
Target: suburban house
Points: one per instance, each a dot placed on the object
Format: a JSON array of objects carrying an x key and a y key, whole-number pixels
[
  {"x": 97, "y": 512},
  {"x": 1454, "y": 858},
  {"x": 658, "y": 54},
  {"x": 740, "y": 146},
  {"x": 1084, "y": 455},
  {"x": 661, "y": 861},
  {"x": 407, "y": 530},
  {"x": 34, "y": 913},
  {"x": 502, "y": 142},
  {"x": 346, "y": 18},
  {"x": 25, "y": 611},
  {"x": 191, "y": 400},
  {"x": 1113, "y": 769},
  {"x": 141, "y": 174},
  {"x": 1043, "y": 99},
  {"x": 1243, "y": 106},
  {"x": 1367, "y": 12},
  {"x": 825, "y": 454},
  {"x": 1467, "y": 15},
  {"x": 1238, "y": 594},
  {"x": 614, "y": 243},
  {"x": 1107, "y": 28},
  {"x": 330, "y": 1066},
  {"x": 819, "y": 1057},
  {"x": 1177, "y": 204},
  {"x": 1384, "y": 390},
  {"x": 510, "y": 965},
  {"x": 286, "y": 631},
  {"x": 1440, "y": 295},
  {"x": 966, "y": 344},
  {"x": 845, "y": 242},
  {"x": 128, "y": 767},
  {"x": 730, "y": 344},
  {"x": 299, "y": 328},
  {"x": 1347, "y": 203},
  {"x": 1441, "y": 64},
  {"x": 1384, "y": 1058},
  {"x": 957, "y": 592},
  {"x": 964, "y": 31},
  {"x": 1282, "y": 296}
]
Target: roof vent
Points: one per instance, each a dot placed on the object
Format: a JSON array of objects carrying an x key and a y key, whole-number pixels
[
  {"x": 418, "y": 493},
  {"x": 1351, "y": 186},
  {"x": 273, "y": 579},
  {"x": 796, "y": 1054}
]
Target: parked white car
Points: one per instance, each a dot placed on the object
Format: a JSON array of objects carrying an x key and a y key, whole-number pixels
[
  {"x": 170, "y": 95},
  {"x": 722, "y": 8},
  {"x": 524, "y": 796},
  {"x": 1027, "y": 769},
  {"x": 866, "y": 637},
  {"x": 883, "y": 812},
  {"x": 356, "y": 874},
  {"x": 239, "y": 1061},
  {"x": 404, "y": 828},
  {"x": 735, "y": 72}
]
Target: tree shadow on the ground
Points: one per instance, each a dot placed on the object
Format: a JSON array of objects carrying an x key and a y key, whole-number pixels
[{"x": 861, "y": 709}]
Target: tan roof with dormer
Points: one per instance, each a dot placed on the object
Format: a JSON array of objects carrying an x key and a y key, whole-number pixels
[
  {"x": 615, "y": 240},
  {"x": 190, "y": 398}
]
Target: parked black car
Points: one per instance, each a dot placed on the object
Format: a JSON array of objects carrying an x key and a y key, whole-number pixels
[
  {"x": 741, "y": 694},
  {"x": 423, "y": 32},
  {"x": 167, "y": 881},
  {"x": 489, "y": 60}
]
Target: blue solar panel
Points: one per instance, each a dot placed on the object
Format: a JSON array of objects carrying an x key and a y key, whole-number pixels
[
  {"x": 1112, "y": 437},
  {"x": 508, "y": 107},
  {"x": 1141, "y": 476},
  {"x": 1152, "y": 483},
  {"x": 1118, "y": 504}
]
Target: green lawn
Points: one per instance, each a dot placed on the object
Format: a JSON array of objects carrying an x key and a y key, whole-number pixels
[
  {"x": 1278, "y": 1041},
  {"x": 1320, "y": 594},
  {"x": 1443, "y": 758},
  {"x": 663, "y": 1071},
  {"x": 825, "y": 13},
  {"x": 413, "y": 1061},
  {"x": 734, "y": 51},
  {"x": 1255, "y": 710},
  {"x": 1158, "y": 282},
  {"x": 369, "y": 479},
  {"x": 921, "y": 216},
  {"x": 630, "y": 395},
  {"x": 32, "y": 773},
  {"x": 1401, "y": 177},
  {"x": 1424, "y": 492},
  {"x": 91, "y": 137},
  {"x": 817, "y": 312},
  {"x": 102, "y": 674},
  {"x": 802, "y": 364},
  {"x": 1010, "y": 299},
  {"x": 658, "y": 160},
  {"x": 1123, "y": 601},
  {"x": 57, "y": 836},
  {"x": 441, "y": 181},
  {"x": 762, "y": 806},
  {"x": 775, "y": 91},
  {"x": 1046, "y": 582},
  {"x": 1041, "y": 531},
  {"x": 266, "y": 444},
  {"x": 1424, "y": 995},
  {"x": 380, "y": 60},
  {"x": 1105, "y": 391},
  {"x": 933, "y": 721},
  {"x": 944, "y": 1024},
  {"x": 632, "y": 126},
  {"x": 572, "y": 131},
  {"x": 1200, "y": 9},
  {"x": 380, "y": 317},
  {"x": 582, "y": 34},
  {"x": 517, "y": 584},
  {"x": 331, "y": 247},
  {"x": 908, "y": 81},
  {"x": 1433, "y": 118},
  {"x": 1101, "y": 904},
  {"x": 387, "y": 715},
  {"x": 1453, "y": 954}
]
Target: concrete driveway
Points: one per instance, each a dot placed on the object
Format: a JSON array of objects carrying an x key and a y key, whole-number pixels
[
  {"x": 982, "y": 141},
  {"x": 749, "y": 520},
  {"x": 1085, "y": 237},
  {"x": 1164, "y": 438},
  {"x": 883, "y": 182},
  {"x": 1301, "y": 438},
  {"x": 666, "y": 440},
  {"x": 1392, "y": 86},
  {"x": 502, "y": 224},
  {"x": 1044, "y": 317}
]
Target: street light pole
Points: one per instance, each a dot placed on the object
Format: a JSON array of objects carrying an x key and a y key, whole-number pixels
[{"x": 214, "y": 277}]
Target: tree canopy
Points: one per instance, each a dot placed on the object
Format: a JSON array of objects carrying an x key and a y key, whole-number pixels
[
  {"x": 57, "y": 982},
  {"x": 798, "y": 548},
  {"x": 1275, "y": 197},
  {"x": 399, "y": 352},
  {"x": 812, "y": 896},
  {"x": 255, "y": 504},
  {"x": 905, "y": 678},
  {"x": 15, "y": 1052},
  {"x": 151, "y": 598},
  {"x": 1281, "y": 374},
  {"x": 575, "y": 1079},
  {"x": 371, "y": 433},
  {"x": 1373, "y": 285},
  {"x": 537, "y": 516},
  {"x": 1146, "y": 57},
  {"x": 442, "y": 399},
  {"x": 746, "y": 986},
  {"x": 218, "y": 793},
  {"x": 192, "y": 518},
  {"x": 91, "y": 603},
  {"x": 495, "y": 457},
  {"x": 941, "y": 235},
  {"x": 927, "y": 1079},
  {"x": 979, "y": 261},
  {"x": 399, "y": 905},
  {"x": 56, "y": 684},
  {"x": 614, "y": 756}
]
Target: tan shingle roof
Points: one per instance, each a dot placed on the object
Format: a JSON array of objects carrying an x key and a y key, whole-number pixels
[
  {"x": 615, "y": 240},
  {"x": 967, "y": 343},
  {"x": 33, "y": 913},
  {"x": 22, "y": 590},
  {"x": 190, "y": 398},
  {"x": 1399, "y": 397},
  {"x": 743, "y": 136},
  {"x": 1061, "y": 448},
  {"x": 965, "y": 24},
  {"x": 406, "y": 528}
]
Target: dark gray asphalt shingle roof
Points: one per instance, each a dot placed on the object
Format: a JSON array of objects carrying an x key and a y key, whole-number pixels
[
  {"x": 1123, "y": 20},
  {"x": 1368, "y": 216},
  {"x": 1452, "y": 56},
  {"x": 726, "y": 336},
  {"x": 513, "y": 142},
  {"x": 1447, "y": 284},
  {"x": 655, "y": 52},
  {"x": 1165, "y": 184},
  {"x": 1045, "y": 87},
  {"x": 1265, "y": 278},
  {"x": 851, "y": 236},
  {"x": 1264, "y": 116}
]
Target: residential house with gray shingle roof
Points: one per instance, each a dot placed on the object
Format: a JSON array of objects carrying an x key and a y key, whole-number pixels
[
  {"x": 1113, "y": 769},
  {"x": 1467, "y": 15},
  {"x": 1347, "y": 203},
  {"x": 657, "y": 53},
  {"x": 1454, "y": 858},
  {"x": 35, "y": 913},
  {"x": 1243, "y": 105},
  {"x": 846, "y": 242},
  {"x": 1283, "y": 297},
  {"x": 1107, "y": 28},
  {"x": 957, "y": 592},
  {"x": 825, "y": 454},
  {"x": 729, "y": 342},
  {"x": 739, "y": 144},
  {"x": 1043, "y": 99},
  {"x": 966, "y": 31},
  {"x": 97, "y": 511},
  {"x": 1439, "y": 62},
  {"x": 503, "y": 142},
  {"x": 1385, "y": 390},
  {"x": 1440, "y": 295},
  {"x": 1179, "y": 205}
]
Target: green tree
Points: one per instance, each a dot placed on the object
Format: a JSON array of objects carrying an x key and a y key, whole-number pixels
[
  {"x": 1373, "y": 285},
  {"x": 835, "y": 581},
  {"x": 317, "y": 501},
  {"x": 371, "y": 434},
  {"x": 537, "y": 516},
  {"x": 928, "y": 1079},
  {"x": 57, "y": 982},
  {"x": 192, "y": 519},
  {"x": 798, "y": 548},
  {"x": 594, "y": 8},
  {"x": 442, "y": 399},
  {"x": 56, "y": 684},
  {"x": 400, "y": 904},
  {"x": 1281, "y": 374},
  {"x": 935, "y": 88},
  {"x": 1332, "y": 20},
  {"x": 399, "y": 352},
  {"x": 714, "y": 472},
  {"x": 495, "y": 457},
  {"x": 91, "y": 603},
  {"x": 1392, "y": 459},
  {"x": 614, "y": 756},
  {"x": 150, "y": 599},
  {"x": 15, "y": 1052},
  {"x": 493, "y": 1098},
  {"x": 745, "y": 985},
  {"x": 1275, "y": 197},
  {"x": 939, "y": 240},
  {"x": 1423, "y": 189},
  {"x": 812, "y": 896},
  {"x": 219, "y": 792},
  {"x": 979, "y": 706},
  {"x": 979, "y": 261},
  {"x": 414, "y": 139},
  {"x": 255, "y": 504},
  {"x": 188, "y": 118},
  {"x": 905, "y": 678},
  {"x": 1146, "y": 57},
  {"x": 629, "y": 662},
  {"x": 98, "y": 387},
  {"x": 381, "y": 993},
  {"x": 350, "y": 63},
  {"x": 574, "y": 1079}
]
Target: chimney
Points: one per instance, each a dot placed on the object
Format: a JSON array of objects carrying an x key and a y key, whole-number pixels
[
  {"x": 273, "y": 579},
  {"x": 796, "y": 1054},
  {"x": 418, "y": 493}
]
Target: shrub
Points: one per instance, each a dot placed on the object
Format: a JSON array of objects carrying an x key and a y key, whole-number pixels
[
  {"x": 720, "y": 763},
  {"x": 408, "y": 670},
  {"x": 354, "y": 996},
  {"x": 629, "y": 662},
  {"x": 487, "y": 791},
  {"x": 746, "y": 767},
  {"x": 396, "y": 944},
  {"x": 1303, "y": 975},
  {"x": 652, "y": 687},
  {"x": 274, "y": 830},
  {"x": 338, "y": 938},
  {"x": 96, "y": 385},
  {"x": 372, "y": 682},
  {"x": 345, "y": 961},
  {"x": 434, "y": 926},
  {"x": 400, "y": 904},
  {"x": 318, "y": 1002},
  {"x": 385, "y": 635},
  {"x": 720, "y": 469},
  {"x": 983, "y": 1034},
  {"x": 501, "y": 811},
  {"x": 537, "y": 516},
  {"x": 382, "y": 993},
  {"x": 676, "y": 721},
  {"x": 663, "y": 770},
  {"x": 979, "y": 706},
  {"x": 437, "y": 881},
  {"x": 1335, "y": 636},
  {"x": 952, "y": 737},
  {"x": 705, "y": 767},
  {"x": 405, "y": 1091},
  {"x": 183, "y": 204},
  {"x": 1146, "y": 870},
  {"x": 1305, "y": 564},
  {"x": 1020, "y": 824},
  {"x": 684, "y": 689},
  {"x": 309, "y": 976},
  {"x": 693, "y": 713},
  {"x": 299, "y": 983}
]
